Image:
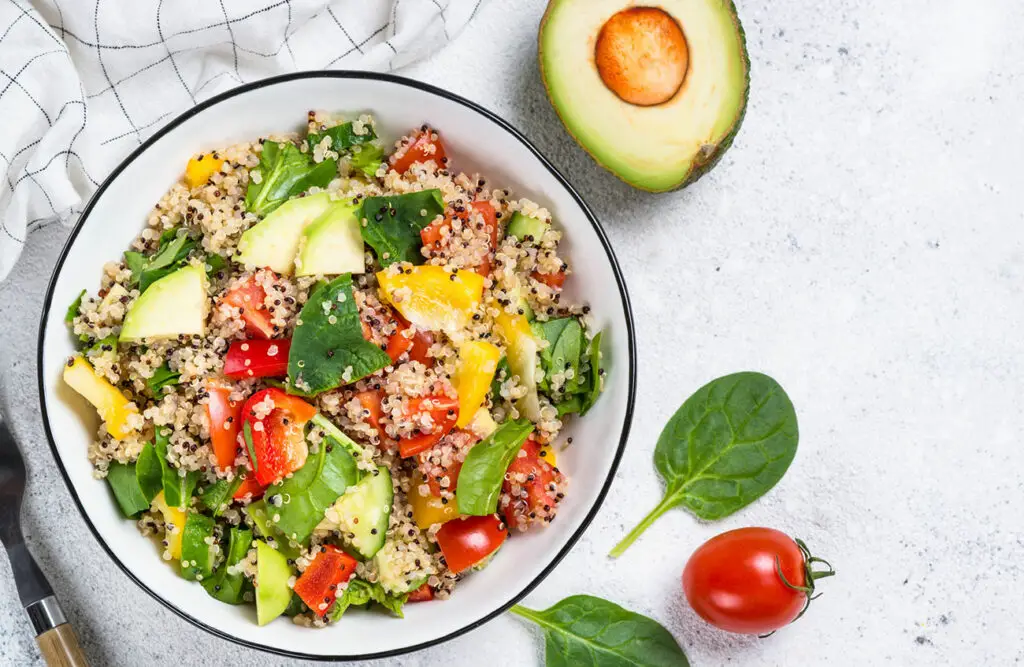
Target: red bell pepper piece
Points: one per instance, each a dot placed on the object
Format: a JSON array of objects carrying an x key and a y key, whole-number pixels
[
  {"x": 225, "y": 423},
  {"x": 257, "y": 358},
  {"x": 407, "y": 339},
  {"x": 251, "y": 488},
  {"x": 422, "y": 594},
  {"x": 250, "y": 298},
  {"x": 552, "y": 280},
  {"x": 318, "y": 585},
  {"x": 278, "y": 438}
]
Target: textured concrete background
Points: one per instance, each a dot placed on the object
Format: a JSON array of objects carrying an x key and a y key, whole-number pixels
[{"x": 863, "y": 242}]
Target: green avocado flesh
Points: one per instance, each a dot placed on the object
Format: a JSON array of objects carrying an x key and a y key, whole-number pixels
[
  {"x": 667, "y": 145},
  {"x": 274, "y": 242},
  {"x": 272, "y": 574},
  {"x": 176, "y": 304},
  {"x": 332, "y": 244}
]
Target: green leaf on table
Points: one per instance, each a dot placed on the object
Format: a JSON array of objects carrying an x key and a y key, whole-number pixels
[
  {"x": 328, "y": 349},
  {"x": 483, "y": 471},
  {"x": 586, "y": 631},
  {"x": 311, "y": 489},
  {"x": 285, "y": 171},
  {"x": 392, "y": 224},
  {"x": 727, "y": 446}
]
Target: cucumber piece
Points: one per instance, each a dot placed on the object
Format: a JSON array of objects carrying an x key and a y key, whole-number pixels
[
  {"x": 336, "y": 434},
  {"x": 522, "y": 226},
  {"x": 272, "y": 574},
  {"x": 197, "y": 547},
  {"x": 364, "y": 512},
  {"x": 230, "y": 588}
]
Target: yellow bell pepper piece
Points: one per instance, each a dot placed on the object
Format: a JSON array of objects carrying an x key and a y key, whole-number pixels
[
  {"x": 431, "y": 298},
  {"x": 115, "y": 410},
  {"x": 483, "y": 424},
  {"x": 522, "y": 358},
  {"x": 478, "y": 360},
  {"x": 174, "y": 525},
  {"x": 200, "y": 168},
  {"x": 547, "y": 452},
  {"x": 428, "y": 509}
]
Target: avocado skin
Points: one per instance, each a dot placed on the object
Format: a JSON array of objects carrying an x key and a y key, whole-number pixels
[{"x": 699, "y": 169}]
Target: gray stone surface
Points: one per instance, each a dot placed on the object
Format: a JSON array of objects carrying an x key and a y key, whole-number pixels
[{"x": 863, "y": 242}]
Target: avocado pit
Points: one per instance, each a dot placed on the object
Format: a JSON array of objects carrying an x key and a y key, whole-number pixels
[{"x": 642, "y": 56}]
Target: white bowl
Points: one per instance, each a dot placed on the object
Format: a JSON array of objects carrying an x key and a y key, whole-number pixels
[{"x": 477, "y": 140}]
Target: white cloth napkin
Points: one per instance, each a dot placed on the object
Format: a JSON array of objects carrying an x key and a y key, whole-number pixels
[{"x": 83, "y": 82}]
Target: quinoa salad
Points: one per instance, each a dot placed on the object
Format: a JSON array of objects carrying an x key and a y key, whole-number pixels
[{"x": 332, "y": 372}]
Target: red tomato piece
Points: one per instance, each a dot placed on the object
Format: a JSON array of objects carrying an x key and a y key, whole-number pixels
[
  {"x": 422, "y": 594},
  {"x": 318, "y": 585},
  {"x": 751, "y": 580},
  {"x": 486, "y": 209},
  {"x": 467, "y": 541},
  {"x": 251, "y": 488},
  {"x": 432, "y": 234},
  {"x": 278, "y": 439},
  {"x": 257, "y": 358},
  {"x": 417, "y": 343},
  {"x": 444, "y": 412},
  {"x": 225, "y": 418},
  {"x": 250, "y": 298},
  {"x": 424, "y": 145},
  {"x": 371, "y": 401},
  {"x": 552, "y": 280},
  {"x": 430, "y": 462},
  {"x": 529, "y": 481}
]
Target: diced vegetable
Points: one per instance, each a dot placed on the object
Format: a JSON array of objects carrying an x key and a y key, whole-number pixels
[
  {"x": 174, "y": 525},
  {"x": 197, "y": 547},
  {"x": 468, "y": 541},
  {"x": 257, "y": 358},
  {"x": 483, "y": 472},
  {"x": 392, "y": 224},
  {"x": 522, "y": 226},
  {"x": 444, "y": 412},
  {"x": 328, "y": 348},
  {"x": 225, "y": 417},
  {"x": 409, "y": 339},
  {"x": 332, "y": 244},
  {"x": 424, "y": 146},
  {"x": 433, "y": 234},
  {"x": 200, "y": 168},
  {"x": 230, "y": 587},
  {"x": 427, "y": 509},
  {"x": 432, "y": 298},
  {"x": 116, "y": 411},
  {"x": 274, "y": 242},
  {"x": 284, "y": 171},
  {"x": 552, "y": 280},
  {"x": 250, "y": 299},
  {"x": 478, "y": 361},
  {"x": 362, "y": 513},
  {"x": 249, "y": 489},
  {"x": 540, "y": 479},
  {"x": 174, "y": 305},
  {"x": 521, "y": 352},
  {"x": 272, "y": 574},
  {"x": 319, "y": 583},
  {"x": 422, "y": 594},
  {"x": 278, "y": 440}
]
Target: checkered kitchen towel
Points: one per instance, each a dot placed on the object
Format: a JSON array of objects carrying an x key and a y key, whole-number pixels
[{"x": 83, "y": 82}]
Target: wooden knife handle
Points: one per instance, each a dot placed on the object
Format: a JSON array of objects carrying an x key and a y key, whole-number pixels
[{"x": 60, "y": 648}]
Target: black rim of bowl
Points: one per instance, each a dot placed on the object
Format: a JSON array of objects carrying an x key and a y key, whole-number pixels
[{"x": 433, "y": 90}]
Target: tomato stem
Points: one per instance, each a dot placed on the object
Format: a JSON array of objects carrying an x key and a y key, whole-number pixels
[{"x": 662, "y": 507}]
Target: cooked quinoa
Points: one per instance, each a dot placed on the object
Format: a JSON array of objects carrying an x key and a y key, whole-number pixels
[{"x": 309, "y": 340}]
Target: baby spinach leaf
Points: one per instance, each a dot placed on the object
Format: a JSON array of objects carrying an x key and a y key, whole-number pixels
[
  {"x": 215, "y": 263},
  {"x": 247, "y": 437},
  {"x": 171, "y": 255},
  {"x": 328, "y": 348},
  {"x": 97, "y": 347},
  {"x": 360, "y": 593},
  {"x": 501, "y": 374},
  {"x": 197, "y": 546},
  {"x": 162, "y": 377},
  {"x": 363, "y": 150},
  {"x": 177, "y": 488},
  {"x": 258, "y": 513},
  {"x": 483, "y": 471},
  {"x": 216, "y": 496},
  {"x": 73, "y": 309},
  {"x": 392, "y": 224},
  {"x": 307, "y": 494},
  {"x": 125, "y": 485},
  {"x": 586, "y": 631},
  {"x": 149, "y": 472},
  {"x": 367, "y": 158},
  {"x": 727, "y": 446},
  {"x": 285, "y": 171},
  {"x": 592, "y": 389},
  {"x": 230, "y": 588}
]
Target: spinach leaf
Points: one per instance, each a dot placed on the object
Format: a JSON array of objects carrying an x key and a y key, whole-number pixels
[
  {"x": 217, "y": 496},
  {"x": 177, "y": 488},
  {"x": 727, "y": 446},
  {"x": 483, "y": 471},
  {"x": 97, "y": 347},
  {"x": 359, "y": 593},
  {"x": 583, "y": 630},
  {"x": 230, "y": 588},
  {"x": 73, "y": 309},
  {"x": 215, "y": 263},
  {"x": 259, "y": 516},
  {"x": 592, "y": 391},
  {"x": 162, "y": 377},
  {"x": 328, "y": 348},
  {"x": 363, "y": 151},
  {"x": 392, "y": 225},
  {"x": 295, "y": 606},
  {"x": 285, "y": 171},
  {"x": 501, "y": 374},
  {"x": 125, "y": 485},
  {"x": 567, "y": 342},
  {"x": 149, "y": 472},
  {"x": 307, "y": 494},
  {"x": 171, "y": 255},
  {"x": 197, "y": 547},
  {"x": 249, "y": 446}
]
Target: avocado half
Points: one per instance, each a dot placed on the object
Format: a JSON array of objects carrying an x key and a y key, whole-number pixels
[{"x": 654, "y": 93}]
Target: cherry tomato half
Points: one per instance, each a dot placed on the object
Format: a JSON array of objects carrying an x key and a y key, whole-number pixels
[
  {"x": 751, "y": 580},
  {"x": 467, "y": 541}
]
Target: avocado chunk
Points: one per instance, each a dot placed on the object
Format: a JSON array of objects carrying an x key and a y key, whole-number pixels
[
  {"x": 197, "y": 547},
  {"x": 332, "y": 244},
  {"x": 272, "y": 573},
  {"x": 363, "y": 513},
  {"x": 172, "y": 306},
  {"x": 523, "y": 225},
  {"x": 654, "y": 94},
  {"x": 273, "y": 242}
]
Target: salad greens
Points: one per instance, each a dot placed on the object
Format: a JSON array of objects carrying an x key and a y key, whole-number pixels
[
  {"x": 727, "y": 446},
  {"x": 364, "y": 151},
  {"x": 258, "y": 512},
  {"x": 162, "y": 377},
  {"x": 227, "y": 587},
  {"x": 583, "y": 630},
  {"x": 127, "y": 491},
  {"x": 328, "y": 349},
  {"x": 483, "y": 471},
  {"x": 178, "y": 488},
  {"x": 285, "y": 171},
  {"x": 197, "y": 550},
  {"x": 73, "y": 309},
  {"x": 392, "y": 224},
  {"x": 360, "y": 593},
  {"x": 149, "y": 472},
  {"x": 216, "y": 497},
  {"x": 568, "y": 349},
  {"x": 170, "y": 256}
]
